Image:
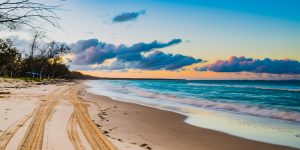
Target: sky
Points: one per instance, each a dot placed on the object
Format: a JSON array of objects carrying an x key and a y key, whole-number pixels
[{"x": 216, "y": 39}]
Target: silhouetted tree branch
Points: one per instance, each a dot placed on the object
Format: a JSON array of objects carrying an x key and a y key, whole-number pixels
[{"x": 26, "y": 12}]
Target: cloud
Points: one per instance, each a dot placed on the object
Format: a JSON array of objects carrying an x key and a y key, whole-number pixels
[
  {"x": 128, "y": 16},
  {"x": 84, "y": 44},
  {"x": 157, "y": 60},
  {"x": 243, "y": 64},
  {"x": 138, "y": 56}
]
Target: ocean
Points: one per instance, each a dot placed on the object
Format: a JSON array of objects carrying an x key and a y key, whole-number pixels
[{"x": 267, "y": 111}]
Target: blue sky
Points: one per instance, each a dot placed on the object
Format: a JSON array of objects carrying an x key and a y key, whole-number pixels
[
  {"x": 228, "y": 27},
  {"x": 269, "y": 28},
  {"x": 210, "y": 30},
  {"x": 287, "y": 10}
]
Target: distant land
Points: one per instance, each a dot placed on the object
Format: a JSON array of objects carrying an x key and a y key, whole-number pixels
[{"x": 78, "y": 75}]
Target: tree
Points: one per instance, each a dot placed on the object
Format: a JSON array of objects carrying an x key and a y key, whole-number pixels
[
  {"x": 45, "y": 61},
  {"x": 34, "y": 47},
  {"x": 51, "y": 60},
  {"x": 26, "y": 12},
  {"x": 10, "y": 59},
  {"x": 56, "y": 66}
]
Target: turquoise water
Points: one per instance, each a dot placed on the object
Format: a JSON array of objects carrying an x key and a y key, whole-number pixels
[{"x": 266, "y": 111}]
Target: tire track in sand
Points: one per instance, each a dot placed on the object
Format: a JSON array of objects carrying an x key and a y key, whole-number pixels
[
  {"x": 12, "y": 130},
  {"x": 96, "y": 139},
  {"x": 73, "y": 134},
  {"x": 33, "y": 138}
]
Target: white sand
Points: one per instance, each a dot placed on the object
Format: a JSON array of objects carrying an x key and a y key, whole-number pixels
[
  {"x": 56, "y": 127},
  {"x": 33, "y": 115}
]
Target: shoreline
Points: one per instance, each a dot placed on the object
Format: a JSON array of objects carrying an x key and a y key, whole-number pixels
[
  {"x": 133, "y": 126},
  {"x": 68, "y": 113}
]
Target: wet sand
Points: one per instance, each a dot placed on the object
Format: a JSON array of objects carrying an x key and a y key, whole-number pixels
[{"x": 132, "y": 126}]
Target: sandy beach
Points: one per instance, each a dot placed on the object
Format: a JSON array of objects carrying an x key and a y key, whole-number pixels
[
  {"x": 65, "y": 116},
  {"x": 51, "y": 116}
]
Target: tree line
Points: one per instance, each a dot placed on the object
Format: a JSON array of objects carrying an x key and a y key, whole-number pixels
[{"x": 39, "y": 61}]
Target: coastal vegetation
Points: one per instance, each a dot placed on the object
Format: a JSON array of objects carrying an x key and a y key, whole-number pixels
[
  {"x": 45, "y": 62},
  {"x": 41, "y": 62}
]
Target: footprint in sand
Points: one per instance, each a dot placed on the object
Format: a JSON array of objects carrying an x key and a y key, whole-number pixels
[{"x": 146, "y": 146}]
